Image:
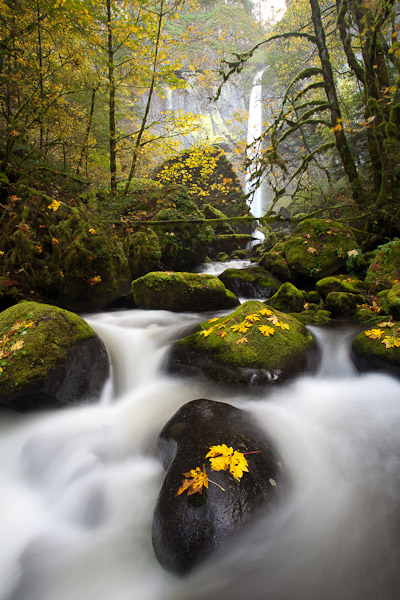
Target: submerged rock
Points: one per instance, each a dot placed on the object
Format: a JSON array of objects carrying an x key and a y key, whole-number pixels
[
  {"x": 50, "y": 357},
  {"x": 187, "y": 528},
  {"x": 169, "y": 290},
  {"x": 256, "y": 345}
]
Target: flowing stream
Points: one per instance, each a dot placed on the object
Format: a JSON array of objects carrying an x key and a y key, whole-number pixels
[{"x": 79, "y": 485}]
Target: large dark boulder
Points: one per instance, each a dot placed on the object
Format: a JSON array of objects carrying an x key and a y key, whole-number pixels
[
  {"x": 187, "y": 528},
  {"x": 50, "y": 357}
]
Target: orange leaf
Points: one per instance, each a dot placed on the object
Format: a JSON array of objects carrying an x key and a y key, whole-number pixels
[{"x": 243, "y": 339}]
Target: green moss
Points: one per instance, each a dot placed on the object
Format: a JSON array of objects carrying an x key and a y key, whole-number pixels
[
  {"x": 393, "y": 301},
  {"x": 236, "y": 343},
  {"x": 372, "y": 352},
  {"x": 288, "y": 298},
  {"x": 384, "y": 270},
  {"x": 340, "y": 283},
  {"x": 176, "y": 291},
  {"x": 42, "y": 335},
  {"x": 342, "y": 304},
  {"x": 319, "y": 248},
  {"x": 313, "y": 317}
]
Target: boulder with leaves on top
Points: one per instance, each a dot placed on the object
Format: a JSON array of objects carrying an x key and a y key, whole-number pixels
[
  {"x": 222, "y": 470},
  {"x": 254, "y": 346}
]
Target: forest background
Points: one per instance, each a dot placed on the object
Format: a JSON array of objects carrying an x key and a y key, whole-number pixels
[{"x": 97, "y": 164}]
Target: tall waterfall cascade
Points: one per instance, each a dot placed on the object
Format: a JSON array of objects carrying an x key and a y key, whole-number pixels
[{"x": 254, "y": 130}]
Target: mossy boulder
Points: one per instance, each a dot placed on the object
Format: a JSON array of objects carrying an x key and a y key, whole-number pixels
[
  {"x": 188, "y": 528},
  {"x": 313, "y": 317},
  {"x": 378, "y": 349},
  {"x": 384, "y": 271},
  {"x": 288, "y": 298},
  {"x": 340, "y": 283},
  {"x": 61, "y": 252},
  {"x": 342, "y": 304},
  {"x": 221, "y": 228},
  {"x": 250, "y": 282},
  {"x": 393, "y": 301},
  {"x": 274, "y": 261},
  {"x": 183, "y": 245},
  {"x": 234, "y": 350},
  {"x": 143, "y": 253},
  {"x": 319, "y": 248},
  {"x": 229, "y": 243},
  {"x": 168, "y": 290},
  {"x": 50, "y": 357}
]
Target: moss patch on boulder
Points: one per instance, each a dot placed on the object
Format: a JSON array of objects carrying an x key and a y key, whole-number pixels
[
  {"x": 256, "y": 345},
  {"x": 384, "y": 271},
  {"x": 319, "y": 248},
  {"x": 378, "y": 348},
  {"x": 339, "y": 283},
  {"x": 49, "y": 357},
  {"x": 274, "y": 260},
  {"x": 342, "y": 304},
  {"x": 250, "y": 282},
  {"x": 288, "y": 298},
  {"x": 393, "y": 301},
  {"x": 176, "y": 291}
]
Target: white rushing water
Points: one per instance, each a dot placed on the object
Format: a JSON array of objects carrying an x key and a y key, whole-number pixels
[
  {"x": 79, "y": 485},
  {"x": 254, "y": 130}
]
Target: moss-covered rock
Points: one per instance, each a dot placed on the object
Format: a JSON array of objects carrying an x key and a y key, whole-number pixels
[
  {"x": 288, "y": 298},
  {"x": 62, "y": 253},
  {"x": 313, "y": 317},
  {"x": 340, "y": 283},
  {"x": 384, "y": 271},
  {"x": 255, "y": 346},
  {"x": 222, "y": 228},
  {"x": 250, "y": 282},
  {"x": 176, "y": 291},
  {"x": 378, "y": 348},
  {"x": 393, "y": 301},
  {"x": 143, "y": 253},
  {"x": 319, "y": 248},
  {"x": 183, "y": 245},
  {"x": 342, "y": 304},
  {"x": 49, "y": 357},
  {"x": 228, "y": 243},
  {"x": 274, "y": 261}
]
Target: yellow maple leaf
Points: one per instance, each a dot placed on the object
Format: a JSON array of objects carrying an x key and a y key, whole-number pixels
[
  {"x": 17, "y": 346},
  {"x": 274, "y": 319},
  {"x": 312, "y": 250},
  {"x": 282, "y": 325},
  {"x": 92, "y": 231},
  {"x": 213, "y": 320},
  {"x": 265, "y": 311},
  {"x": 242, "y": 340},
  {"x": 374, "y": 334},
  {"x": 266, "y": 330},
  {"x": 54, "y": 205},
  {"x": 391, "y": 342},
  {"x": 222, "y": 334},
  {"x": 194, "y": 481},
  {"x": 207, "y": 332},
  {"x": 223, "y": 457},
  {"x": 252, "y": 318}
]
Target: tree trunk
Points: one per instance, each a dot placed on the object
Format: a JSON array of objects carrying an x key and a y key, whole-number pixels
[
  {"x": 112, "y": 119},
  {"x": 336, "y": 117},
  {"x": 88, "y": 128}
]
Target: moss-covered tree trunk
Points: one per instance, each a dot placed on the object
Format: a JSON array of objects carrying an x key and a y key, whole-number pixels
[
  {"x": 336, "y": 117},
  {"x": 112, "y": 118}
]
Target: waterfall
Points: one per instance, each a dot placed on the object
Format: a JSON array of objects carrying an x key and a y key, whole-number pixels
[
  {"x": 79, "y": 485},
  {"x": 254, "y": 130}
]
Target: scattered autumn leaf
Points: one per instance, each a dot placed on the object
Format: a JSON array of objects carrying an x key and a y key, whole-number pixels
[
  {"x": 213, "y": 320},
  {"x": 242, "y": 340},
  {"x": 194, "y": 481},
  {"x": 312, "y": 250},
  {"x": 54, "y": 205},
  {"x": 207, "y": 332},
  {"x": 266, "y": 330},
  {"x": 391, "y": 341},
  {"x": 252, "y": 318},
  {"x": 221, "y": 334},
  {"x": 374, "y": 334},
  {"x": 265, "y": 311},
  {"x": 223, "y": 457}
]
